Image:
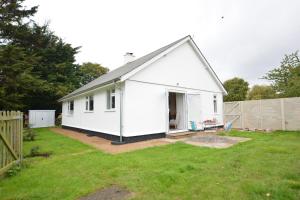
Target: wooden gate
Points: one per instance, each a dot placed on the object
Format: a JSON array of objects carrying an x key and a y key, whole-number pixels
[
  {"x": 11, "y": 138},
  {"x": 233, "y": 113}
]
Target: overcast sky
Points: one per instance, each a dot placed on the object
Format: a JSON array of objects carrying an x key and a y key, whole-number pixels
[{"x": 250, "y": 39}]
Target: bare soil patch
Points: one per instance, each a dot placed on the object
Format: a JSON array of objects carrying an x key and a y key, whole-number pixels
[{"x": 110, "y": 193}]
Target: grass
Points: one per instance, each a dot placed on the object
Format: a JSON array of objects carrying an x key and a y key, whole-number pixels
[{"x": 268, "y": 164}]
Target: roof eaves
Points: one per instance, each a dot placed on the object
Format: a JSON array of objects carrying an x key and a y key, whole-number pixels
[
  {"x": 212, "y": 70},
  {"x": 70, "y": 96}
]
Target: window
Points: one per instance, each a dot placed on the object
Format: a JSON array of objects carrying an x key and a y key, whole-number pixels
[
  {"x": 70, "y": 106},
  {"x": 215, "y": 104},
  {"x": 89, "y": 103},
  {"x": 111, "y": 99},
  {"x": 86, "y": 103}
]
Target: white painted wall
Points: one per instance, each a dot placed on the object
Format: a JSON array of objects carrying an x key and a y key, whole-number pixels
[
  {"x": 145, "y": 93},
  {"x": 181, "y": 67},
  {"x": 146, "y": 113},
  {"x": 100, "y": 120},
  {"x": 144, "y": 110},
  {"x": 144, "y": 96}
]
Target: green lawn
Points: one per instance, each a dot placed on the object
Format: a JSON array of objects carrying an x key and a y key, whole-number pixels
[{"x": 269, "y": 163}]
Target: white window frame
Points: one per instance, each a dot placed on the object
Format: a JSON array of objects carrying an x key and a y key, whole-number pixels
[
  {"x": 215, "y": 103},
  {"x": 69, "y": 107},
  {"x": 111, "y": 94},
  {"x": 87, "y": 103}
]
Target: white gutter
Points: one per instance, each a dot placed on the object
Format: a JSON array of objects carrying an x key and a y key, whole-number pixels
[{"x": 86, "y": 92}]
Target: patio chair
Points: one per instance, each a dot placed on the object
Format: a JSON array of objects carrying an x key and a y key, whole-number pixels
[
  {"x": 228, "y": 126},
  {"x": 175, "y": 122},
  {"x": 196, "y": 126}
]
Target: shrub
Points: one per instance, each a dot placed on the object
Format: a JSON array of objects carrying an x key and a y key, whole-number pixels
[
  {"x": 29, "y": 135},
  {"x": 58, "y": 120},
  {"x": 13, "y": 170},
  {"x": 35, "y": 151},
  {"x": 16, "y": 168}
]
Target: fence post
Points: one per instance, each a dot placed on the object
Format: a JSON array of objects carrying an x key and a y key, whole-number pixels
[
  {"x": 11, "y": 139},
  {"x": 260, "y": 114},
  {"x": 242, "y": 114},
  {"x": 282, "y": 114},
  {"x": 21, "y": 137}
]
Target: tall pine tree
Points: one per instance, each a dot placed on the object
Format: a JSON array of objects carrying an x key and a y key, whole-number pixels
[
  {"x": 36, "y": 67},
  {"x": 16, "y": 63}
]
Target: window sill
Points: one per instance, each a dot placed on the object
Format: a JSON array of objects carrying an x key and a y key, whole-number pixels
[
  {"x": 110, "y": 110},
  {"x": 88, "y": 111}
]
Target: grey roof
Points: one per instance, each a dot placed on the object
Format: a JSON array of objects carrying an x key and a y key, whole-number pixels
[{"x": 117, "y": 73}]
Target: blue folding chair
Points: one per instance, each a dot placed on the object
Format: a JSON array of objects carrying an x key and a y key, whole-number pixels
[
  {"x": 228, "y": 126},
  {"x": 193, "y": 126}
]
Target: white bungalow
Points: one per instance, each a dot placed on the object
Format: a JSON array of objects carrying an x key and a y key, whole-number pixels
[{"x": 160, "y": 93}]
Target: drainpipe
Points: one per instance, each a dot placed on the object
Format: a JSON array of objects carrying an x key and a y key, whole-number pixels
[
  {"x": 121, "y": 114},
  {"x": 119, "y": 87}
]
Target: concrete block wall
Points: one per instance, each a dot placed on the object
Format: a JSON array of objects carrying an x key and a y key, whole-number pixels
[{"x": 275, "y": 114}]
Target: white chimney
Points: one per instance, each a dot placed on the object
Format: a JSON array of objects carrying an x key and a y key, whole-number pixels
[{"x": 128, "y": 57}]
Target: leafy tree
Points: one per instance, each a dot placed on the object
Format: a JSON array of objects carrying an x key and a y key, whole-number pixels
[
  {"x": 293, "y": 84},
  {"x": 261, "y": 92},
  {"x": 36, "y": 67},
  {"x": 56, "y": 66},
  {"x": 16, "y": 76},
  {"x": 237, "y": 89},
  {"x": 14, "y": 20},
  {"x": 89, "y": 71},
  {"x": 285, "y": 78}
]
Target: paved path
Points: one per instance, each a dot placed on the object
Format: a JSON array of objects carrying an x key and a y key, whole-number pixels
[{"x": 105, "y": 145}]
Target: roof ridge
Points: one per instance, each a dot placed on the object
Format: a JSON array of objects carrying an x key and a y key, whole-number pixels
[{"x": 170, "y": 44}]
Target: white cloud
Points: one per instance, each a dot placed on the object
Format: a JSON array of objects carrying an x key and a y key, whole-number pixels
[{"x": 252, "y": 37}]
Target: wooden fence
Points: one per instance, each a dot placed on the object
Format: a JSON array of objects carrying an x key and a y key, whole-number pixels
[
  {"x": 11, "y": 139},
  {"x": 276, "y": 114}
]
